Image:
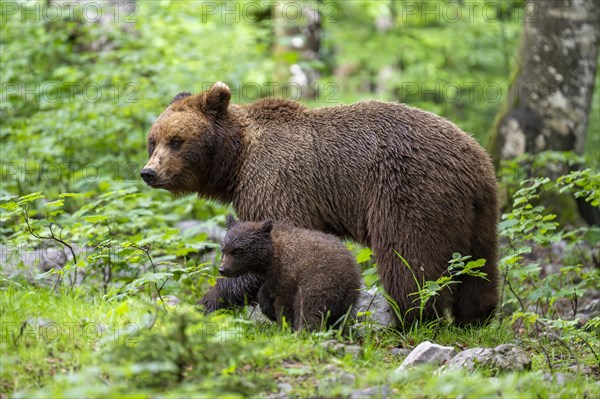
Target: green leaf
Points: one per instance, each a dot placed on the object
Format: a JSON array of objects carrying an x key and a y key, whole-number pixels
[
  {"x": 95, "y": 218},
  {"x": 31, "y": 197},
  {"x": 56, "y": 203},
  {"x": 364, "y": 255}
]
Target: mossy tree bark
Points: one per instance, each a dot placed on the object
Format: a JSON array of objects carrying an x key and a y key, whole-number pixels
[
  {"x": 550, "y": 98},
  {"x": 298, "y": 32}
]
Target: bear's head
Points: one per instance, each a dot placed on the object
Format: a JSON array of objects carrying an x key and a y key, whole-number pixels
[
  {"x": 191, "y": 145},
  {"x": 247, "y": 247}
]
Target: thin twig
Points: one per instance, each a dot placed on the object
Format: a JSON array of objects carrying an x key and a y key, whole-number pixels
[
  {"x": 547, "y": 356},
  {"x": 147, "y": 252}
]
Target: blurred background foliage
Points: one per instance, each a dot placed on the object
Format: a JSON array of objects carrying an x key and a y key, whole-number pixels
[
  {"x": 75, "y": 119},
  {"x": 78, "y": 98},
  {"x": 79, "y": 93}
]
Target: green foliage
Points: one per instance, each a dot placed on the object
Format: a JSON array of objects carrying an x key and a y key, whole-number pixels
[
  {"x": 542, "y": 288},
  {"x": 429, "y": 289},
  {"x": 120, "y": 240},
  {"x": 583, "y": 184},
  {"x": 73, "y": 125}
]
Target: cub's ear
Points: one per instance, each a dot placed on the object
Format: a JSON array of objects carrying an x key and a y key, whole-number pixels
[
  {"x": 180, "y": 96},
  {"x": 230, "y": 221},
  {"x": 266, "y": 226},
  {"x": 216, "y": 99}
]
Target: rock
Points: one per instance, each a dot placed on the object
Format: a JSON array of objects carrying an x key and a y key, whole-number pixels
[
  {"x": 381, "y": 313},
  {"x": 354, "y": 350},
  {"x": 381, "y": 391},
  {"x": 558, "y": 378},
  {"x": 558, "y": 248},
  {"x": 591, "y": 309},
  {"x": 502, "y": 357},
  {"x": 336, "y": 377},
  {"x": 285, "y": 387},
  {"x": 427, "y": 352},
  {"x": 346, "y": 379},
  {"x": 400, "y": 352},
  {"x": 45, "y": 257},
  {"x": 339, "y": 349},
  {"x": 27, "y": 262},
  {"x": 254, "y": 313}
]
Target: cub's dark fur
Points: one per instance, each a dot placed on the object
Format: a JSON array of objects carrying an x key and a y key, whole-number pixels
[{"x": 310, "y": 278}]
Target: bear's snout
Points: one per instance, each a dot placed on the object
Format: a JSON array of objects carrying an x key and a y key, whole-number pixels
[
  {"x": 149, "y": 175},
  {"x": 225, "y": 272}
]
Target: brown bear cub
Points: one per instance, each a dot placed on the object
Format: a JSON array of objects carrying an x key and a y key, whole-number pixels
[
  {"x": 310, "y": 278},
  {"x": 402, "y": 181}
]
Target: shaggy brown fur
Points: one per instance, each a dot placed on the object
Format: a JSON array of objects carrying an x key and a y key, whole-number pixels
[
  {"x": 310, "y": 277},
  {"x": 392, "y": 177}
]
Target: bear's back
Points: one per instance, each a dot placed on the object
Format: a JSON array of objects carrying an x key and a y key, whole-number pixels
[
  {"x": 304, "y": 254},
  {"x": 323, "y": 168}
]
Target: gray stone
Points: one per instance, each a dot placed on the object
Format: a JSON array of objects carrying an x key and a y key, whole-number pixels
[
  {"x": 592, "y": 307},
  {"x": 355, "y": 350},
  {"x": 333, "y": 346},
  {"x": 340, "y": 349},
  {"x": 254, "y": 313},
  {"x": 400, "y": 352},
  {"x": 346, "y": 378},
  {"x": 427, "y": 352},
  {"x": 502, "y": 357},
  {"x": 285, "y": 387},
  {"x": 381, "y": 313},
  {"x": 44, "y": 257},
  {"x": 21, "y": 261},
  {"x": 558, "y": 378},
  {"x": 336, "y": 376},
  {"x": 381, "y": 391}
]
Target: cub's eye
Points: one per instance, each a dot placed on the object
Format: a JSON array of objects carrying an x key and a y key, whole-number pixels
[{"x": 175, "y": 144}]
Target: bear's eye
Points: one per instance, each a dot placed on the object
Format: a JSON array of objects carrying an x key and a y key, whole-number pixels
[
  {"x": 175, "y": 143},
  {"x": 151, "y": 146}
]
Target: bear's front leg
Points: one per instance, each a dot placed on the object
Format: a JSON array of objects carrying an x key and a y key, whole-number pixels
[
  {"x": 266, "y": 303},
  {"x": 231, "y": 292}
]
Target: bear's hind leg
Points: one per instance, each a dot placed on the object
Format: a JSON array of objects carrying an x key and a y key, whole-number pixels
[
  {"x": 399, "y": 283},
  {"x": 477, "y": 298},
  {"x": 308, "y": 310},
  {"x": 266, "y": 303}
]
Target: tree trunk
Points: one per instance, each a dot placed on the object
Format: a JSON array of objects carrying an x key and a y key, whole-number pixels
[
  {"x": 298, "y": 31},
  {"x": 550, "y": 98}
]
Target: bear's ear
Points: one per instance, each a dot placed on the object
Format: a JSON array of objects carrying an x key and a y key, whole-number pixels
[
  {"x": 180, "y": 96},
  {"x": 216, "y": 99},
  {"x": 230, "y": 221},
  {"x": 266, "y": 226}
]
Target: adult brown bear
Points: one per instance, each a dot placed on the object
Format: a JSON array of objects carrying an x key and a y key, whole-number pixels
[{"x": 398, "y": 179}]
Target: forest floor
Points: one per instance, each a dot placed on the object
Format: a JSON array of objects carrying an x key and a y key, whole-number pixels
[{"x": 79, "y": 345}]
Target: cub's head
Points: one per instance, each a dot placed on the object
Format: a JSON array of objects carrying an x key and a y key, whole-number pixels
[
  {"x": 247, "y": 247},
  {"x": 187, "y": 140}
]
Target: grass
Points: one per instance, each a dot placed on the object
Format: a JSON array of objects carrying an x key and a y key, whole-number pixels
[{"x": 60, "y": 345}]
